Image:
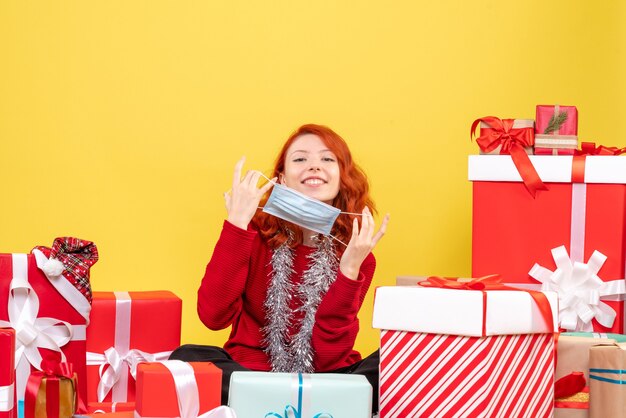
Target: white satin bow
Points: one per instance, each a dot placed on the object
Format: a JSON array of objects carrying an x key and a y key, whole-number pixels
[
  {"x": 580, "y": 290},
  {"x": 112, "y": 366}
]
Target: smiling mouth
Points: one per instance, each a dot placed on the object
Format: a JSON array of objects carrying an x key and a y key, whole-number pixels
[{"x": 313, "y": 181}]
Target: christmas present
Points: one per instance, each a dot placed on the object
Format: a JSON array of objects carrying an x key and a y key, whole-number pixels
[
  {"x": 476, "y": 349},
  {"x": 572, "y": 352},
  {"x": 46, "y": 297},
  {"x": 556, "y": 120},
  {"x": 128, "y": 328},
  {"x": 262, "y": 394},
  {"x": 521, "y": 129},
  {"x": 177, "y": 389},
  {"x": 570, "y": 239},
  {"x": 7, "y": 373},
  {"x": 607, "y": 384},
  {"x": 500, "y": 136},
  {"x": 574, "y": 406},
  {"x": 109, "y": 407},
  {"x": 554, "y": 151},
  {"x": 51, "y": 393},
  {"x": 557, "y": 128}
]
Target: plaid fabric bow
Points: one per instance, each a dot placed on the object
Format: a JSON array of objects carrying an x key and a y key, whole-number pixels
[{"x": 77, "y": 256}]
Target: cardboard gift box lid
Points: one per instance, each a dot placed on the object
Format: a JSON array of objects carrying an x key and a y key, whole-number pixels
[
  {"x": 262, "y": 394},
  {"x": 460, "y": 312},
  {"x": 551, "y": 168}
]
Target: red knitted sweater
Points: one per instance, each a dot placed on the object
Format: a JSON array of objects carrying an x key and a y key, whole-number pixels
[{"x": 233, "y": 291}]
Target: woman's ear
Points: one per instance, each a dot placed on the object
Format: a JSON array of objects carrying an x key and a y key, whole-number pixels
[{"x": 281, "y": 179}]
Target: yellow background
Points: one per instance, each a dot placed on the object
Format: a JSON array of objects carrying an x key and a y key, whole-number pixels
[{"x": 120, "y": 121}]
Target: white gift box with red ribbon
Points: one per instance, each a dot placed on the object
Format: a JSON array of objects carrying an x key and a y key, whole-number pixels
[{"x": 435, "y": 361}]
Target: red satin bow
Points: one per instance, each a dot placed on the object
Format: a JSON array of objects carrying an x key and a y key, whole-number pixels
[
  {"x": 492, "y": 282},
  {"x": 589, "y": 148},
  {"x": 53, "y": 372},
  {"x": 513, "y": 141},
  {"x": 569, "y": 385}
]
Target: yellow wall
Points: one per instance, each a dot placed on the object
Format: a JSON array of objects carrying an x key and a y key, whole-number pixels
[{"x": 120, "y": 121}]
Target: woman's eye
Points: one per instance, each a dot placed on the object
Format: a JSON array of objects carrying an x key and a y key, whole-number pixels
[
  {"x": 329, "y": 159},
  {"x": 298, "y": 160}
]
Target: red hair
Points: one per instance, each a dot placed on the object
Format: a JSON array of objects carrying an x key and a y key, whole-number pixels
[{"x": 353, "y": 193}]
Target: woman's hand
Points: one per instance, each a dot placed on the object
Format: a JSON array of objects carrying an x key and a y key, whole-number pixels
[
  {"x": 361, "y": 244},
  {"x": 243, "y": 199}
]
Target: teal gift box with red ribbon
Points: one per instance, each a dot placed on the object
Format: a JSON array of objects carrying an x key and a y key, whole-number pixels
[
  {"x": 465, "y": 348},
  {"x": 570, "y": 238}
]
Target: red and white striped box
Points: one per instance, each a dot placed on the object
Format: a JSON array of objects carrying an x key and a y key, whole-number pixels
[{"x": 448, "y": 352}]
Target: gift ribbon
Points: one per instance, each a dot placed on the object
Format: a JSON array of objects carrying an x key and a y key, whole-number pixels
[
  {"x": 590, "y": 148},
  {"x": 53, "y": 373},
  {"x": 569, "y": 385},
  {"x": 580, "y": 290},
  {"x": 116, "y": 362},
  {"x": 63, "y": 286},
  {"x": 512, "y": 141},
  {"x": 301, "y": 385},
  {"x": 621, "y": 375},
  {"x": 7, "y": 397},
  {"x": 492, "y": 282},
  {"x": 32, "y": 332},
  {"x": 188, "y": 394}
]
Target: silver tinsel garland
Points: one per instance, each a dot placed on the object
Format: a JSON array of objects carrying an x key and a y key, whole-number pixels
[{"x": 295, "y": 355}]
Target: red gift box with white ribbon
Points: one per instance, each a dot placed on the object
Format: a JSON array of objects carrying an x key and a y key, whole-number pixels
[
  {"x": 128, "y": 328},
  {"x": 7, "y": 373},
  {"x": 48, "y": 312},
  {"x": 570, "y": 238},
  {"x": 177, "y": 389},
  {"x": 454, "y": 352}
]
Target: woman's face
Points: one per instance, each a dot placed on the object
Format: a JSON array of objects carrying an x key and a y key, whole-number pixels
[{"x": 311, "y": 168}]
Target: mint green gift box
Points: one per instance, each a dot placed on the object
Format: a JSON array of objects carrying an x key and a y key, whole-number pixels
[
  {"x": 283, "y": 395},
  {"x": 620, "y": 338}
]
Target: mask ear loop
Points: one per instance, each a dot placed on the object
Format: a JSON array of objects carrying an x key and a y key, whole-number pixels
[{"x": 330, "y": 235}]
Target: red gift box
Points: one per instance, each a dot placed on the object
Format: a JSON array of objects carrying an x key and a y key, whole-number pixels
[
  {"x": 7, "y": 373},
  {"x": 584, "y": 210},
  {"x": 554, "y": 151},
  {"x": 159, "y": 386},
  {"x": 127, "y": 328},
  {"x": 49, "y": 310}
]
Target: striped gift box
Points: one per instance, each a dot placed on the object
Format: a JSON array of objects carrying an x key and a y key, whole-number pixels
[{"x": 425, "y": 373}]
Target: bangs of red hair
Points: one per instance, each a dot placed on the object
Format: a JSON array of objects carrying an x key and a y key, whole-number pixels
[{"x": 353, "y": 193}]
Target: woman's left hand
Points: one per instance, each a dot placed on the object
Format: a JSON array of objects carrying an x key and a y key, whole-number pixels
[{"x": 361, "y": 244}]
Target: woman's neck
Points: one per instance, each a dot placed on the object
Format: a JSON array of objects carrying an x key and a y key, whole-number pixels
[{"x": 308, "y": 237}]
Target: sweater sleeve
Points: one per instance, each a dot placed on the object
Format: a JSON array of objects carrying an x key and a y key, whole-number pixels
[
  {"x": 336, "y": 322},
  {"x": 224, "y": 281}
]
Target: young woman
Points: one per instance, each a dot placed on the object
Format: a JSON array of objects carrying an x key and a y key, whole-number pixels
[{"x": 292, "y": 295}]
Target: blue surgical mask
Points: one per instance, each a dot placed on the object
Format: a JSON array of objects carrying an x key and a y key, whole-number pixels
[{"x": 292, "y": 206}]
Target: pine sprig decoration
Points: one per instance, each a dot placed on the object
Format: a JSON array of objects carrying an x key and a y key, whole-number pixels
[{"x": 555, "y": 122}]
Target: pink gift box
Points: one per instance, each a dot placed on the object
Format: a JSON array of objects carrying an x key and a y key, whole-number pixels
[{"x": 545, "y": 113}]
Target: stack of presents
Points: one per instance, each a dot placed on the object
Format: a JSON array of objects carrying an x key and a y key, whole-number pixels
[{"x": 536, "y": 332}]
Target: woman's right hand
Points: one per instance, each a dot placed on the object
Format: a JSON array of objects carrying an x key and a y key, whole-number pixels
[{"x": 243, "y": 199}]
